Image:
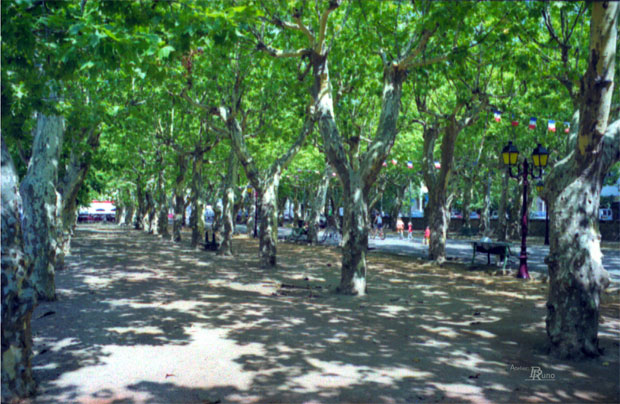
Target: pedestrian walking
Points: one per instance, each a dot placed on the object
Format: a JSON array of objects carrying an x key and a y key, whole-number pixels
[
  {"x": 400, "y": 227},
  {"x": 409, "y": 231},
  {"x": 427, "y": 236}
]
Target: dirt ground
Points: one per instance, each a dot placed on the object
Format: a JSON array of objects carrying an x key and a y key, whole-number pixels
[{"x": 140, "y": 319}]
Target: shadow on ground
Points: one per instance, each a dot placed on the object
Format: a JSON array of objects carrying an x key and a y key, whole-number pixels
[{"x": 140, "y": 319}]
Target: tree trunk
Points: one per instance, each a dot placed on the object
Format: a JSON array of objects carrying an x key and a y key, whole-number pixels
[
  {"x": 18, "y": 293},
  {"x": 119, "y": 214},
  {"x": 266, "y": 184},
  {"x": 162, "y": 221},
  {"x": 40, "y": 203},
  {"x": 68, "y": 188},
  {"x": 439, "y": 221},
  {"x": 438, "y": 208},
  {"x": 179, "y": 200},
  {"x": 501, "y": 231},
  {"x": 573, "y": 188},
  {"x": 359, "y": 173},
  {"x": 398, "y": 204},
  {"x": 229, "y": 201},
  {"x": 297, "y": 214},
  {"x": 130, "y": 214},
  {"x": 317, "y": 206},
  {"x": 151, "y": 212},
  {"x": 268, "y": 222},
  {"x": 251, "y": 214},
  {"x": 196, "y": 219},
  {"x": 467, "y": 197},
  {"x": 485, "y": 215},
  {"x": 140, "y": 218},
  {"x": 355, "y": 227}
]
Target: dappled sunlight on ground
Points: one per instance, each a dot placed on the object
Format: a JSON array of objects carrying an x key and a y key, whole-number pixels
[{"x": 140, "y": 319}]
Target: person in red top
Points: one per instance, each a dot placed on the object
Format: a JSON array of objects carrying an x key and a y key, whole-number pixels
[
  {"x": 409, "y": 231},
  {"x": 427, "y": 236},
  {"x": 400, "y": 227}
]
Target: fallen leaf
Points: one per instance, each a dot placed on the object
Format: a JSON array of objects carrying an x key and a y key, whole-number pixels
[
  {"x": 169, "y": 375},
  {"x": 474, "y": 376},
  {"x": 605, "y": 363}
]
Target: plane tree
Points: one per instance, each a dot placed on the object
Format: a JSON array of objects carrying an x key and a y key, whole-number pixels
[{"x": 320, "y": 38}]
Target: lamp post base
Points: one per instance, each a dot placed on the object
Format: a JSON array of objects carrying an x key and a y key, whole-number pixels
[{"x": 523, "y": 273}]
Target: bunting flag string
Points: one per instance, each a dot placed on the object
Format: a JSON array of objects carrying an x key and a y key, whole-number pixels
[
  {"x": 551, "y": 123},
  {"x": 497, "y": 115}
]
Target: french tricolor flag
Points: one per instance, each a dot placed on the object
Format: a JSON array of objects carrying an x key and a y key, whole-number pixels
[
  {"x": 384, "y": 164},
  {"x": 532, "y": 123},
  {"x": 514, "y": 123},
  {"x": 437, "y": 165},
  {"x": 566, "y": 127},
  {"x": 410, "y": 164},
  {"x": 394, "y": 161},
  {"x": 551, "y": 125},
  {"x": 497, "y": 115}
]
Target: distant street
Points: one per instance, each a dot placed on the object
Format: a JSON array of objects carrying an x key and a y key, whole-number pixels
[{"x": 462, "y": 250}]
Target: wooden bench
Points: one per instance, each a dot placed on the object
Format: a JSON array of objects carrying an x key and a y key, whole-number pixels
[{"x": 490, "y": 247}]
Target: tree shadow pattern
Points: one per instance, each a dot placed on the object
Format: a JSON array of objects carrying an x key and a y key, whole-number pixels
[{"x": 140, "y": 319}]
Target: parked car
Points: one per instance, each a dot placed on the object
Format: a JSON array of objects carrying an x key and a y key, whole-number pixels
[
  {"x": 474, "y": 215},
  {"x": 537, "y": 215},
  {"x": 605, "y": 214},
  {"x": 417, "y": 213},
  {"x": 456, "y": 215}
]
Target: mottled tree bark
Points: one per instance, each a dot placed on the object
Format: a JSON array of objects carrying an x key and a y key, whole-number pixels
[
  {"x": 251, "y": 214},
  {"x": 357, "y": 173},
  {"x": 467, "y": 197},
  {"x": 485, "y": 215},
  {"x": 119, "y": 215},
  {"x": 318, "y": 205},
  {"x": 573, "y": 188},
  {"x": 196, "y": 219},
  {"x": 162, "y": 206},
  {"x": 40, "y": 203},
  {"x": 438, "y": 208},
  {"x": 140, "y": 213},
  {"x": 68, "y": 188},
  {"x": 151, "y": 212},
  {"x": 130, "y": 214},
  {"x": 265, "y": 183},
  {"x": 179, "y": 198},
  {"x": 355, "y": 226},
  {"x": 268, "y": 223},
  {"x": 398, "y": 203},
  {"x": 18, "y": 293},
  {"x": 501, "y": 231},
  {"x": 228, "y": 206}
]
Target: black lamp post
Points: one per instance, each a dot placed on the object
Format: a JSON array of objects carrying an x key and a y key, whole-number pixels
[{"x": 510, "y": 155}]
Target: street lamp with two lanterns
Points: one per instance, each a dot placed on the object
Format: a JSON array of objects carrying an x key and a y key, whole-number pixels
[{"x": 510, "y": 155}]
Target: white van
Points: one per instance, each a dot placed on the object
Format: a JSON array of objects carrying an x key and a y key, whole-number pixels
[{"x": 605, "y": 214}]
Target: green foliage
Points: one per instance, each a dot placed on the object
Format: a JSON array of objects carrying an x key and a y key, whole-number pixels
[{"x": 121, "y": 67}]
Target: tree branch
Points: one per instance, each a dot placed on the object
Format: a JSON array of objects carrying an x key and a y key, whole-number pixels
[{"x": 333, "y": 5}]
